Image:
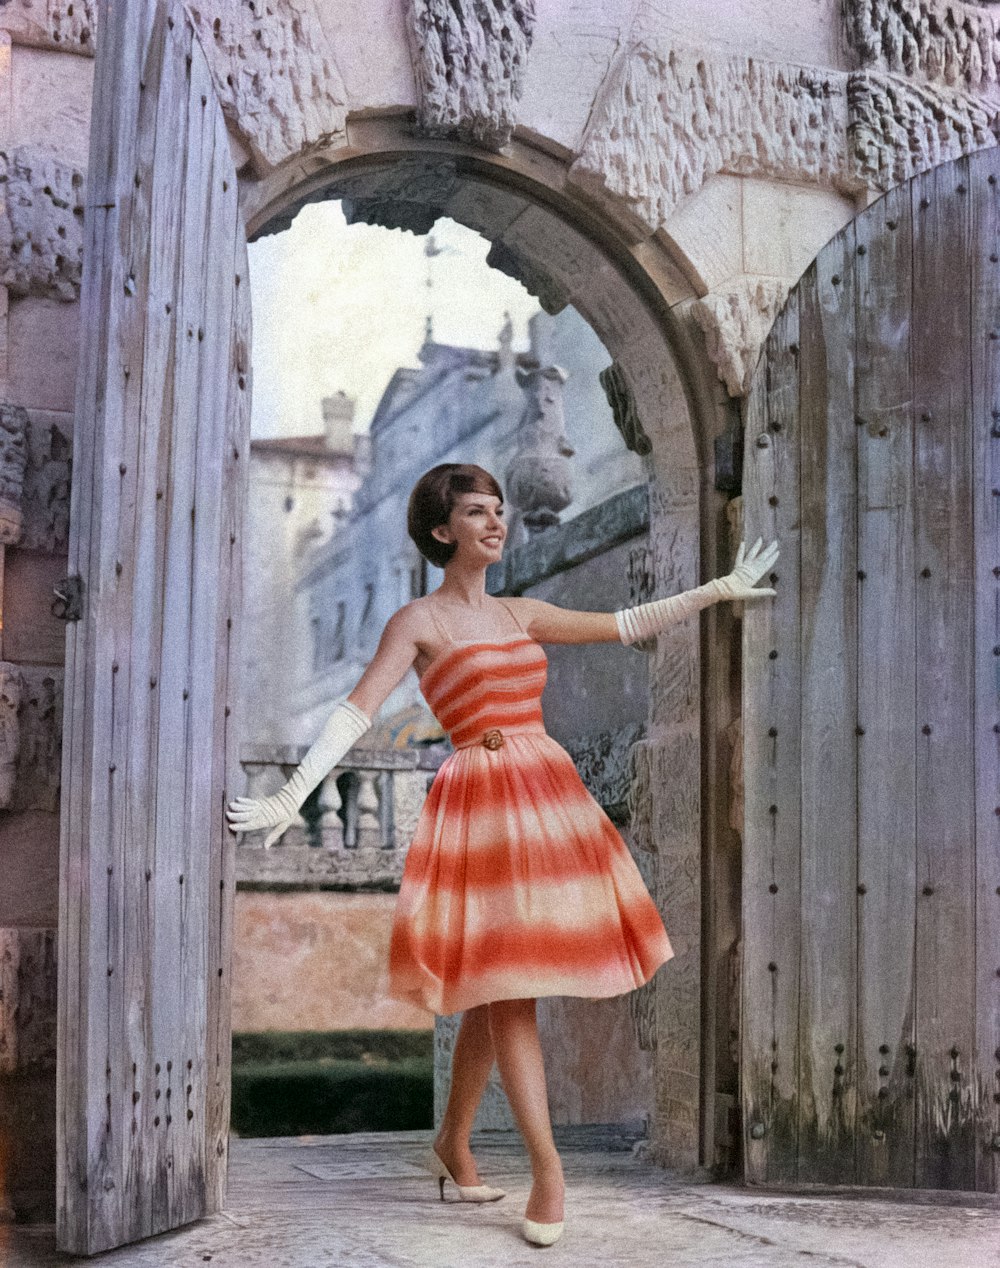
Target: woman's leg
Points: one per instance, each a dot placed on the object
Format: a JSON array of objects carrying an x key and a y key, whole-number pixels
[
  {"x": 471, "y": 1064},
  {"x": 522, "y": 1072}
]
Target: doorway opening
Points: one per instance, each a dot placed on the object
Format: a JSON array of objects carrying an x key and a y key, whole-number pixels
[{"x": 664, "y": 403}]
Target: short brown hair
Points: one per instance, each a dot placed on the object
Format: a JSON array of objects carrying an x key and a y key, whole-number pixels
[{"x": 432, "y": 499}]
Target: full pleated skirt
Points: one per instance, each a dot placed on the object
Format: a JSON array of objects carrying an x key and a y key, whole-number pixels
[{"x": 517, "y": 884}]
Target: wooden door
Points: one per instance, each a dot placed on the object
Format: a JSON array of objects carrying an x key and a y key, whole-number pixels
[
  {"x": 871, "y": 705},
  {"x": 160, "y": 452}
]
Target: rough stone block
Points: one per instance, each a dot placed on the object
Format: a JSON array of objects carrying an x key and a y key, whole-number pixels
[
  {"x": 785, "y": 225},
  {"x": 29, "y": 868},
  {"x": 668, "y": 118},
  {"x": 57, "y": 24},
  {"x": 275, "y": 75},
  {"x": 707, "y": 229},
  {"x": 41, "y": 234},
  {"x": 735, "y": 322},
  {"x": 32, "y": 634},
  {"x": 50, "y": 103}
]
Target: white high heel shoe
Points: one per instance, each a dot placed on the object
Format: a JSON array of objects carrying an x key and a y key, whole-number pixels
[
  {"x": 542, "y": 1234},
  {"x": 467, "y": 1192}
]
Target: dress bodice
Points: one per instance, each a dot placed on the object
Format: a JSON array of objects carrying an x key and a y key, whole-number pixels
[{"x": 482, "y": 686}]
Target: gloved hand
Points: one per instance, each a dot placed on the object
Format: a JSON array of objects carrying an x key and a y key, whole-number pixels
[
  {"x": 344, "y": 727},
  {"x": 640, "y": 623}
]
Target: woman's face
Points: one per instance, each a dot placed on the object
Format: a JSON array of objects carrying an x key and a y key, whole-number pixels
[{"x": 476, "y": 525}]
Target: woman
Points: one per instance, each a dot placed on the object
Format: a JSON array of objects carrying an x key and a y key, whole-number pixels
[{"x": 516, "y": 884}]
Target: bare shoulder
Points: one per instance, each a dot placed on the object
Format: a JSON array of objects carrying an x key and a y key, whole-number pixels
[
  {"x": 528, "y": 610},
  {"x": 412, "y": 621},
  {"x": 549, "y": 623}
]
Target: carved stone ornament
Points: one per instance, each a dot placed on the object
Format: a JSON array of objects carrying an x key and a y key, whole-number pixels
[
  {"x": 11, "y": 689},
  {"x": 946, "y": 42},
  {"x": 538, "y": 479},
  {"x": 469, "y": 61},
  {"x": 735, "y": 324},
  {"x": 13, "y": 460},
  {"x": 30, "y": 737},
  {"x": 899, "y": 129},
  {"x": 623, "y": 410},
  {"x": 275, "y": 73}
]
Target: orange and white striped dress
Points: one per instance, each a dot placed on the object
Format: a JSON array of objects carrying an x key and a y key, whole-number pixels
[{"x": 516, "y": 883}]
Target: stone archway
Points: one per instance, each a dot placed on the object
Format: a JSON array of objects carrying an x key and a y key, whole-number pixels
[{"x": 667, "y": 404}]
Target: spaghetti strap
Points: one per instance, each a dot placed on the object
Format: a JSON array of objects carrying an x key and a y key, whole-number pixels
[
  {"x": 441, "y": 630},
  {"x": 520, "y": 627}
]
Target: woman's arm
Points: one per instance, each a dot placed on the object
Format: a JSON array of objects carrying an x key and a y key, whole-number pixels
[
  {"x": 350, "y": 719},
  {"x": 395, "y": 654},
  {"x": 550, "y": 624}
]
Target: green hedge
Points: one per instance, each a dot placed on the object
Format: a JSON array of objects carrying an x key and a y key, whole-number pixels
[
  {"x": 343, "y": 1045},
  {"x": 290, "y": 1084}
]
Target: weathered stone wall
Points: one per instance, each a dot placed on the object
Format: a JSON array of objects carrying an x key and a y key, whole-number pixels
[{"x": 316, "y": 961}]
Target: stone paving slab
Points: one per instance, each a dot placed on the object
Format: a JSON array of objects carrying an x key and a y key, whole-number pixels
[{"x": 362, "y": 1201}]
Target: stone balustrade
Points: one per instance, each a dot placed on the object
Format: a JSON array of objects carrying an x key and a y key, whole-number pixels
[{"x": 353, "y": 831}]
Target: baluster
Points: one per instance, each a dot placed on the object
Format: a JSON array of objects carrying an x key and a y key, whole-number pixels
[
  {"x": 388, "y": 786},
  {"x": 369, "y": 828},
  {"x": 331, "y": 828}
]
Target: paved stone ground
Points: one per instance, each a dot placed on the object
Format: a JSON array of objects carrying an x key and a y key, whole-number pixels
[{"x": 361, "y": 1201}]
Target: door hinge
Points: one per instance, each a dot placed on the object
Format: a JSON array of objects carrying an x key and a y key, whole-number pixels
[{"x": 68, "y": 605}]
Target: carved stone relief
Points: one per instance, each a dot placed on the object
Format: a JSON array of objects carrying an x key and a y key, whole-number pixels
[
  {"x": 41, "y": 238},
  {"x": 534, "y": 277},
  {"x": 47, "y": 478},
  {"x": 275, "y": 74},
  {"x": 538, "y": 478},
  {"x": 28, "y": 981},
  {"x": 943, "y": 41},
  {"x": 11, "y": 687},
  {"x": 13, "y": 460},
  {"x": 30, "y": 737},
  {"x": 899, "y": 129},
  {"x": 623, "y": 409},
  {"x": 469, "y": 60},
  {"x": 735, "y": 324}
]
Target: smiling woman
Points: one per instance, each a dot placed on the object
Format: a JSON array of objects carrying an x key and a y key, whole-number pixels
[{"x": 516, "y": 884}]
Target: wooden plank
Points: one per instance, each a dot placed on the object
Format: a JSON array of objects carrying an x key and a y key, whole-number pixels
[
  {"x": 828, "y": 650},
  {"x": 771, "y": 754},
  {"x": 210, "y": 600},
  {"x": 227, "y": 776},
  {"x": 152, "y": 1053},
  {"x": 945, "y": 938},
  {"x": 886, "y": 750},
  {"x": 984, "y": 189}
]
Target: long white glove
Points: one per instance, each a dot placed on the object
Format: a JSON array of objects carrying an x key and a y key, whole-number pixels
[
  {"x": 635, "y": 625},
  {"x": 344, "y": 727}
]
